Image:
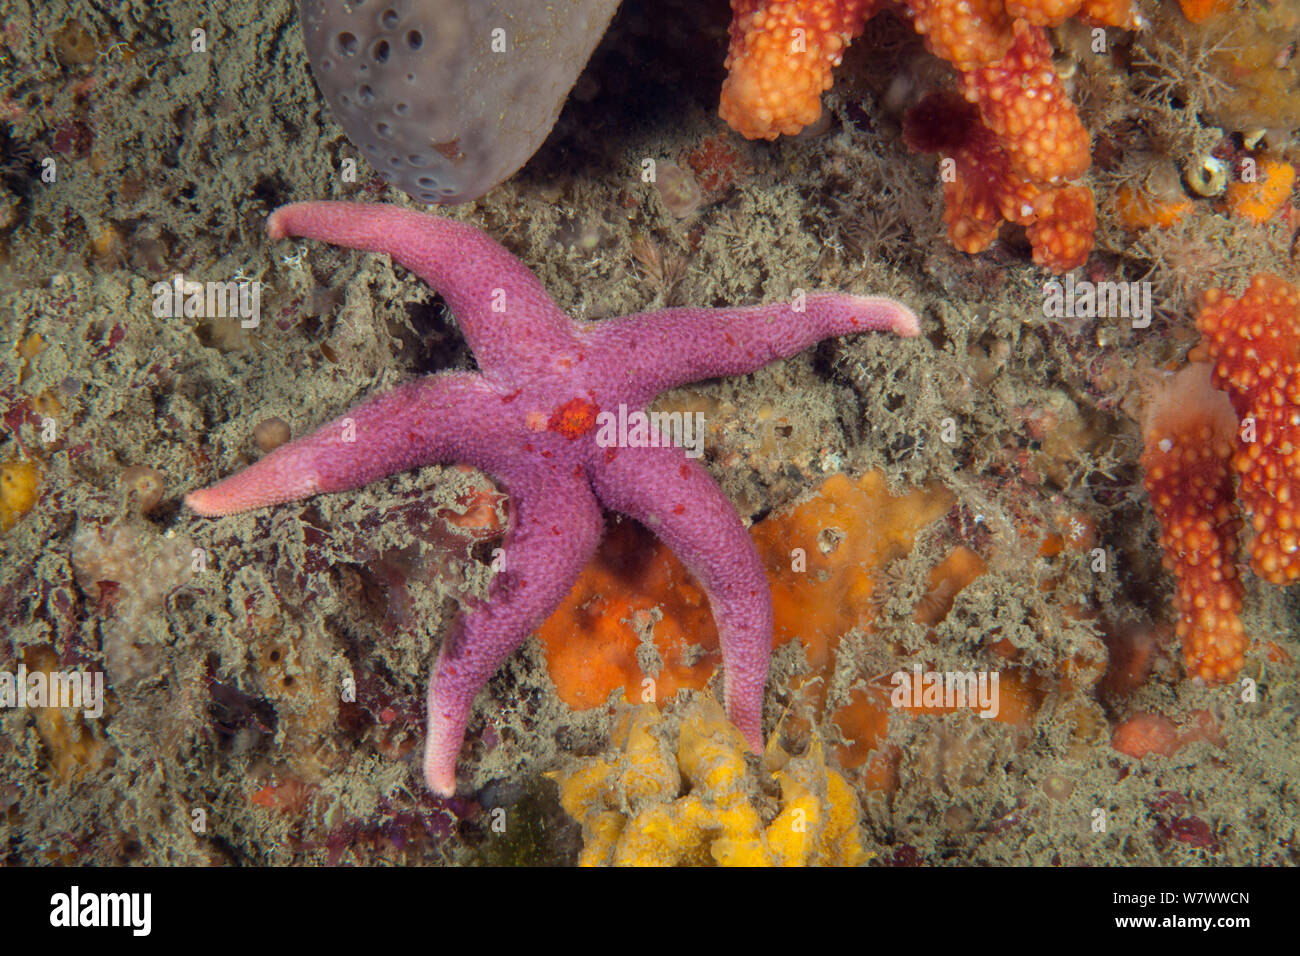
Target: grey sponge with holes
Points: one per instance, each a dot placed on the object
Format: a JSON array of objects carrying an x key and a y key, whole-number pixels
[{"x": 447, "y": 98}]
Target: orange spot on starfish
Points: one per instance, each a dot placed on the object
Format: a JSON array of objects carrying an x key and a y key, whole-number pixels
[{"x": 574, "y": 418}]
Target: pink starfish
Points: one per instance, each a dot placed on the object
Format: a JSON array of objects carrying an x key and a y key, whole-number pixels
[{"x": 528, "y": 418}]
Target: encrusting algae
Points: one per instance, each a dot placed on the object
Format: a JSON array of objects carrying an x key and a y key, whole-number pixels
[{"x": 647, "y": 806}]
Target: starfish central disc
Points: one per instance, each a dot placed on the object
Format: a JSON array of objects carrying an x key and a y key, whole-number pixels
[{"x": 574, "y": 418}]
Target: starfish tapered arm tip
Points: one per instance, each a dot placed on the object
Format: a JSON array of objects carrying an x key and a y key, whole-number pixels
[
  {"x": 284, "y": 475},
  {"x": 205, "y": 503},
  {"x": 275, "y": 224},
  {"x": 883, "y": 314},
  {"x": 440, "y": 780}
]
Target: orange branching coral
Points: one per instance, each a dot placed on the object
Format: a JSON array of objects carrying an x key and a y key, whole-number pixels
[
  {"x": 1254, "y": 343},
  {"x": 967, "y": 35},
  {"x": 1021, "y": 99},
  {"x": 1050, "y": 13},
  {"x": 1196, "y": 437},
  {"x": 1188, "y": 437},
  {"x": 780, "y": 61},
  {"x": 982, "y": 188},
  {"x": 781, "y": 57},
  {"x": 1062, "y": 233}
]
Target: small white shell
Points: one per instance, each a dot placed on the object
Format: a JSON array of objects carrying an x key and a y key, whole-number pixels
[
  {"x": 1252, "y": 137},
  {"x": 1207, "y": 176}
]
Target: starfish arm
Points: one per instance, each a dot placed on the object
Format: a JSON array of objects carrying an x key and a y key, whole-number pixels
[
  {"x": 556, "y": 527},
  {"x": 661, "y": 350},
  {"x": 431, "y": 420},
  {"x": 502, "y": 309},
  {"x": 677, "y": 500}
]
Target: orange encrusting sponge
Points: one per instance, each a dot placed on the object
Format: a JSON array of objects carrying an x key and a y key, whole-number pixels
[
  {"x": 18, "y": 481},
  {"x": 634, "y": 586},
  {"x": 1138, "y": 209},
  {"x": 635, "y": 601},
  {"x": 1199, "y": 11},
  {"x": 1188, "y": 438},
  {"x": 1259, "y": 199}
]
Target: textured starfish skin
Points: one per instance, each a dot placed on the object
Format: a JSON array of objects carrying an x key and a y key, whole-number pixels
[{"x": 527, "y": 418}]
